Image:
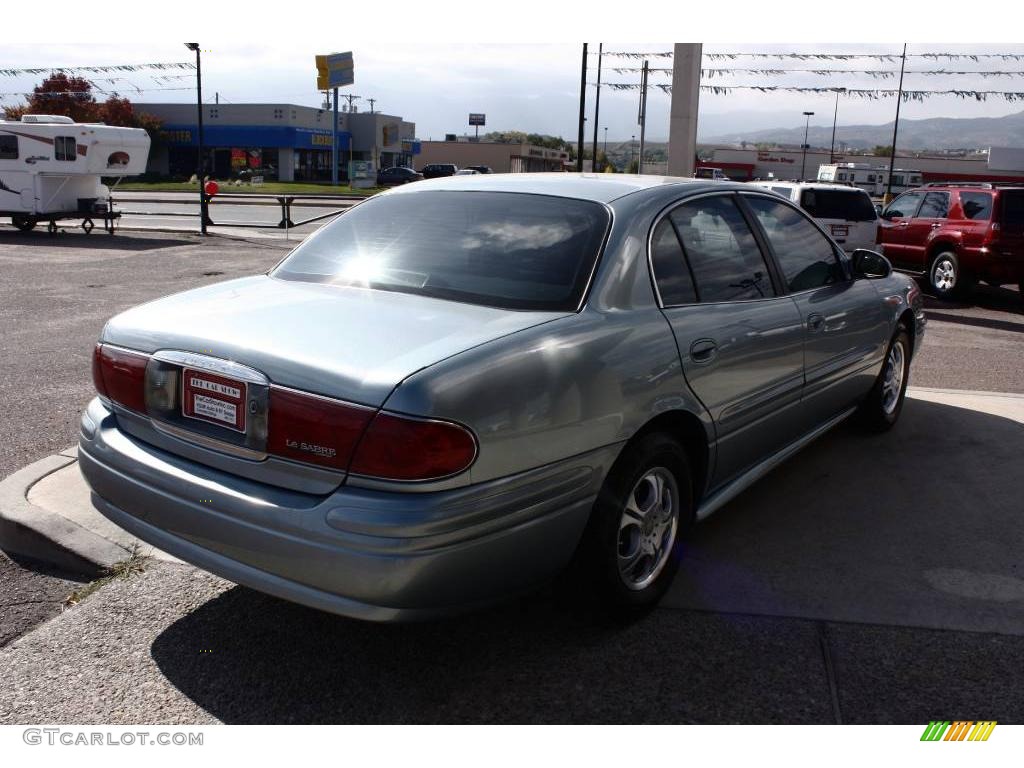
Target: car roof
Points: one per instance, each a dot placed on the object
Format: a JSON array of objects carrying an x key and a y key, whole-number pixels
[
  {"x": 806, "y": 185},
  {"x": 598, "y": 187}
]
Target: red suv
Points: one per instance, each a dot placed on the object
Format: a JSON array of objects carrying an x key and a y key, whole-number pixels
[{"x": 956, "y": 234}]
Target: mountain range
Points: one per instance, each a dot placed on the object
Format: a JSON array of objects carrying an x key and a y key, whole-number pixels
[{"x": 930, "y": 133}]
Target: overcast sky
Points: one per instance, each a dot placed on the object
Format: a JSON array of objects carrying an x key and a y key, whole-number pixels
[{"x": 534, "y": 88}]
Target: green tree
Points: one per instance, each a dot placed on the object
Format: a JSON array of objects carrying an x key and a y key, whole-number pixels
[{"x": 882, "y": 151}]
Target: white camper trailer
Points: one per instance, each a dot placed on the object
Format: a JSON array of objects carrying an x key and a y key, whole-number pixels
[{"x": 50, "y": 168}]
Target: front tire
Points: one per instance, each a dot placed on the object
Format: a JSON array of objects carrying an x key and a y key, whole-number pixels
[
  {"x": 881, "y": 410},
  {"x": 23, "y": 222},
  {"x": 946, "y": 279},
  {"x": 633, "y": 543}
]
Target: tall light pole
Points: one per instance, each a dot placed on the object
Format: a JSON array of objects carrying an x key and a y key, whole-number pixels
[
  {"x": 199, "y": 112},
  {"x": 895, "y": 128},
  {"x": 597, "y": 105},
  {"x": 632, "y": 148},
  {"x": 583, "y": 110},
  {"x": 832, "y": 149},
  {"x": 606, "y": 142},
  {"x": 803, "y": 162}
]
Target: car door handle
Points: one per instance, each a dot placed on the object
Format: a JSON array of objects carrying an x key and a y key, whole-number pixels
[
  {"x": 903, "y": 224},
  {"x": 936, "y": 224},
  {"x": 703, "y": 350},
  {"x": 815, "y": 322}
]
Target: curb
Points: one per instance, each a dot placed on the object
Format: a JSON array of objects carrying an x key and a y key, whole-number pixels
[{"x": 34, "y": 533}]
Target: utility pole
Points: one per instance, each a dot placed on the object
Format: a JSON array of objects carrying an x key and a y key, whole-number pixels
[
  {"x": 372, "y": 102},
  {"x": 832, "y": 149},
  {"x": 803, "y": 161},
  {"x": 583, "y": 109},
  {"x": 597, "y": 105},
  {"x": 895, "y": 128},
  {"x": 642, "y": 116}
]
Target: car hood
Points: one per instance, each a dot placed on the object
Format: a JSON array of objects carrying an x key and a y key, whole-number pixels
[{"x": 347, "y": 342}]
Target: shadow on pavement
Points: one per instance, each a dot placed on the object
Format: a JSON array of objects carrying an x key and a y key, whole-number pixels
[
  {"x": 977, "y": 322},
  {"x": 896, "y": 529},
  {"x": 1001, "y": 299},
  {"x": 98, "y": 240}
]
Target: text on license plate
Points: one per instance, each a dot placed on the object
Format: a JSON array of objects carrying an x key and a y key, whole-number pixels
[{"x": 213, "y": 398}]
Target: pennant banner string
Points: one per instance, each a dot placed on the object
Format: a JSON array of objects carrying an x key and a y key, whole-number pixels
[
  {"x": 888, "y": 57},
  {"x": 99, "y": 69},
  {"x": 862, "y": 93}
]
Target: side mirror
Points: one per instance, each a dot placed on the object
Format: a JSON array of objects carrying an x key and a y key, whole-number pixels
[
  {"x": 870, "y": 264},
  {"x": 878, "y": 208}
]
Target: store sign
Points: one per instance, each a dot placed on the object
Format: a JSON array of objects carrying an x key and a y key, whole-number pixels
[
  {"x": 177, "y": 137},
  {"x": 766, "y": 157},
  {"x": 334, "y": 70},
  {"x": 477, "y": 118}
]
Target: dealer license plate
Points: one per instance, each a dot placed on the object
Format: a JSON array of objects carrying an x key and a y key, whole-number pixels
[{"x": 216, "y": 399}]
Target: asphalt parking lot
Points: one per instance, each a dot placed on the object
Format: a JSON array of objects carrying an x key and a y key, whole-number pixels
[{"x": 881, "y": 583}]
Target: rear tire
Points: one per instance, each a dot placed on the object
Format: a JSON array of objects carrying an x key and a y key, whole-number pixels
[
  {"x": 881, "y": 410},
  {"x": 946, "y": 278},
  {"x": 23, "y": 222},
  {"x": 632, "y": 546}
]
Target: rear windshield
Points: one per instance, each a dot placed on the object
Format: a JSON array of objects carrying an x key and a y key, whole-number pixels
[
  {"x": 847, "y": 205},
  {"x": 498, "y": 249},
  {"x": 1013, "y": 209}
]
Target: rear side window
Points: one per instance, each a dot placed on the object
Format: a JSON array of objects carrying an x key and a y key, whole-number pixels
[
  {"x": 904, "y": 206},
  {"x": 8, "y": 147},
  {"x": 784, "y": 191},
  {"x": 1013, "y": 210},
  {"x": 842, "y": 204},
  {"x": 977, "y": 206},
  {"x": 806, "y": 256},
  {"x": 935, "y": 206},
  {"x": 64, "y": 148},
  {"x": 497, "y": 249},
  {"x": 723, "y": 255},
  {"x": 675, "y": 284}
]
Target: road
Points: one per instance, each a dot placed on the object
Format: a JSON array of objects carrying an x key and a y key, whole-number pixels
[{"x": 872, "y": 608}]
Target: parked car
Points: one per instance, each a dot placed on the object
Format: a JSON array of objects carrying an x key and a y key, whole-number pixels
[
  {"x": 458, "y": 389},
  {"x": 437, "y": 170},
  {"x": 955, "y": 234},
  {"x": 467, "y": 172},
  {"x": 390, "y": 177},
  {"x": 846, "y": 213},
  {"x": 705, "y": 172},
  {"x": 480, "y": 168}
]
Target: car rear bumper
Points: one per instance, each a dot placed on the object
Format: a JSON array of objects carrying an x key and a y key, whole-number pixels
[{"x": 373, "y": 555}]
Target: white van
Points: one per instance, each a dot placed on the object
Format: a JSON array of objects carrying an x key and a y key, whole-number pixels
[{"x": 846, "y": 213}]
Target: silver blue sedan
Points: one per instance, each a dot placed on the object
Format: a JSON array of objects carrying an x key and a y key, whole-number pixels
[{"x": 466, "y": 386}]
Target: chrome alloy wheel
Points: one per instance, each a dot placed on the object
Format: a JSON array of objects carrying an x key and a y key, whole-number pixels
[
  {"x": 647, "y": 528},
  {"x": 892, "y": 381},
  {"x": 944, "y": 274}
]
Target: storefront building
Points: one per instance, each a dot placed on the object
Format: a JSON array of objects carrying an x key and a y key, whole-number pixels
[
  {"x": 500, "y": 158},
  {"x": 279, "y": 142}
]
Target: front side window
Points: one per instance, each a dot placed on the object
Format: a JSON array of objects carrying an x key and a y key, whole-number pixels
[
  {"x": 807, "y": 257},
  {"x": 977, "y": 205},
  {"x": 935, "y": 206},
  {"x": 675, "y": 284},
  {"x": 497, "y": 249},
  {"x": 8, "y": 147},
  {"x": 723, "y": 255},
  {"x": 904, "y": 206},
  {"x": 64, "y": 148}
]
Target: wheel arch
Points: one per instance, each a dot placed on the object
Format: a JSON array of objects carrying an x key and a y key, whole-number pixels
[{"x": 689, "y": 431}]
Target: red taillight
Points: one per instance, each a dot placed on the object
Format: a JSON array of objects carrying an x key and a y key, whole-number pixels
[
  {"x": 314, "y": 429},
  {"x": 120, "y": 376},
  {"x": 404, "y": 448}
]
